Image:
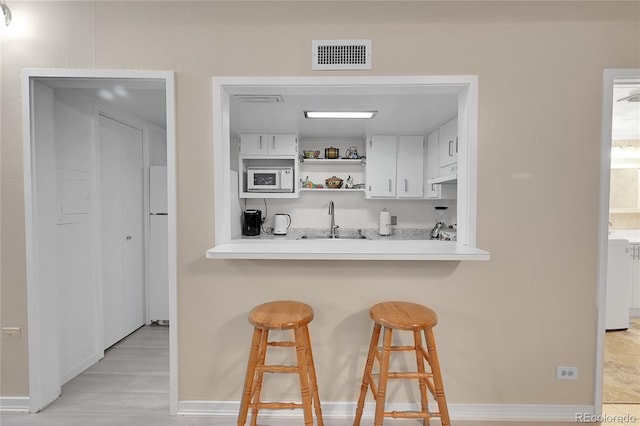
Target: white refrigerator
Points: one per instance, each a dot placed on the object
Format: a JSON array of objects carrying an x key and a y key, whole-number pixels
[
  {"x": 618, "y": 285},
  {"x": 158, "y": 245}
]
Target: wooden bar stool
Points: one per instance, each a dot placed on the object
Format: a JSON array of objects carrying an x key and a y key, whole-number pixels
[
  {"x": 408, "y": 317},
  {"x": 280, "y": 315}
]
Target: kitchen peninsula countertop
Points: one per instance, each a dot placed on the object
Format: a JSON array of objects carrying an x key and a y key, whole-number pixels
[{"x": 403, "y": 244}]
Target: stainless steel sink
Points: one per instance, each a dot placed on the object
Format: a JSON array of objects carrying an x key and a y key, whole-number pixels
[{"x": 338, "y": 237}]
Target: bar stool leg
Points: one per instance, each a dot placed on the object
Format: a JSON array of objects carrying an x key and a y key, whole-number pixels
[
  {"x": 248, "y": 381},
  {"x": 262, "y": 353},
  {"x": 437, "y": 378},
  {"x": 364, "y": 388},
  {"x": 382, "y": 380},
  {"x": 301, "y": 353},
  {"x": 311, "y": 369},
  {"x": 422, "y": 380}
]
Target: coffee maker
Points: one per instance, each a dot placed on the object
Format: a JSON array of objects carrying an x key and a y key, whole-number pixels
[{"x": 251, "y": 222}]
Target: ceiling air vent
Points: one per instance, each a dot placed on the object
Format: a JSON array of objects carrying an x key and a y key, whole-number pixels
[
  {"x": 341, "y": 55},
  {"x": 260, "y": 99}
]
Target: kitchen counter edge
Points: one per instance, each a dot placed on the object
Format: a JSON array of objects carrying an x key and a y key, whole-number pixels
[{"x": 346, "y": 250}]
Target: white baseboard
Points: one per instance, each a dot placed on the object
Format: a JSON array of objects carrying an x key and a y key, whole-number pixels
[
  {"x": 18, "y": 404},
  {"x": 346, "y": 410},
  {"x": 83, "y": 365}
]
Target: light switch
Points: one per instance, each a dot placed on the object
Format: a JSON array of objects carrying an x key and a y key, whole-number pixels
[{"x": 11, "y": 332}]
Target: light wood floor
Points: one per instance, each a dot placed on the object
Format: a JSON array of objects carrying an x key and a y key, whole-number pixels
[{"x": 130, "y": 387}]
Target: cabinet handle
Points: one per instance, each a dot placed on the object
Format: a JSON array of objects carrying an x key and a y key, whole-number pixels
[
  {"x": 433, "y": 187},
  {"x": 389, "y": 185},
  {"x": 450, "y": 146},
  {"x": 260, "y": 142},
  {"x": 456, "y": 144},
  {"x": 406, "y": 185},
  {"x": 370, "y": 143},
  {"x": 274, "y": 142}
]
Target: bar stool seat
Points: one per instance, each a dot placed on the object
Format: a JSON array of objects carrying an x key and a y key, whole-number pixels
[
  {"x": 280, "y": 315},
  {"x": 403, "y": 316}
]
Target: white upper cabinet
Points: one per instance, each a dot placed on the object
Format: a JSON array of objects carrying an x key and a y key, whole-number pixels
[
  {"x": 448, "y": 147},
  {"x": 437, "y": 187},
  {"x": 410, "y": 166},
  {"x": 432, "y": 171},
  {"x": 381, "y": 166},
  {"x": 268, "y": 144},
  {"x": 395, "y": 166}
]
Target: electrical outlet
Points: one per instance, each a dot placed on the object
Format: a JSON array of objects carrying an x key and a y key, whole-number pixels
[
  {"x": 567, "y": 373},
  {"x": 11, "y": 332}
]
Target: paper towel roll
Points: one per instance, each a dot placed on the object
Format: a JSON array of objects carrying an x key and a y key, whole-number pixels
[
  {"x": 384, "y": 226},
  {"x": 385, "y": 217}
]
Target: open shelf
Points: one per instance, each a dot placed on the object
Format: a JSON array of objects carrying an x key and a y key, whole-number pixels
[
  {"x": 452, "y": 178},
  {"x": 332, "y": 161},
  {"x": 331, "y": 190}
]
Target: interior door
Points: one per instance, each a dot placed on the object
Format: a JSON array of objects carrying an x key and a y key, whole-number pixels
[{"x": 122, "y": 208}]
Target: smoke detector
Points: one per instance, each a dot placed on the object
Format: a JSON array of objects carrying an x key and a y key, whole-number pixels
[{"x": 341, "y": 55}]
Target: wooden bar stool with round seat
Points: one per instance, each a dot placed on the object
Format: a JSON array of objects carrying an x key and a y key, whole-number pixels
[
  {"x": 280, "y": 315},
  {"x": 404, "y": 316}
]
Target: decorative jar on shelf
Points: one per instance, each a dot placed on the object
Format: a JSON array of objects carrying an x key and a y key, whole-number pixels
[{"x": 334, "y": 182}]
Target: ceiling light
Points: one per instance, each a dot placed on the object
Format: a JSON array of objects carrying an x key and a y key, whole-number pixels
[
  {"x": 340, "y": 114},
  {"x": 7, "y": 14}
]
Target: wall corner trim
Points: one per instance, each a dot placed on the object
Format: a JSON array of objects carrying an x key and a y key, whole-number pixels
[
  {"x": 342, "y": 410},
  {"x": 14, "y": 404}
]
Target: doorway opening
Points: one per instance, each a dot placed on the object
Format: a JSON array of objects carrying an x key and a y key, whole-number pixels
[
  {"x": 618, "y": 224},
  {"x": 100, "y": 218}
]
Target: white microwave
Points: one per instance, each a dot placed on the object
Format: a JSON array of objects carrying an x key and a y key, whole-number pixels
[{"x": 270, "y": 179}]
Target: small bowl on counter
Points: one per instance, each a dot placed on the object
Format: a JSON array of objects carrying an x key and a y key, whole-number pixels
[{"x": 310, "y": 154}]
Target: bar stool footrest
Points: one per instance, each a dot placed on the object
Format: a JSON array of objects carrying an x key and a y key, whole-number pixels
[
  {"x": 408, "y": 414},
  {"x": 276, "y": 405},
  {"x": 278, "y": 368}
]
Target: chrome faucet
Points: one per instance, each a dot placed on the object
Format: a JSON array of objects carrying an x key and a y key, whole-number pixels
[{"x": 332, "y": 231}]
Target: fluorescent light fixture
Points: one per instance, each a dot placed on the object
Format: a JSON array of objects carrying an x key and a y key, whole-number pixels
[{"x": 340, "y": 114}]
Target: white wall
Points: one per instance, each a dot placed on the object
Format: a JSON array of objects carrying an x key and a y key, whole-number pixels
[
  {"x": 157, "y": 144},
  {"x": 44, "y": 190},
  {"x": 540, "y": 68},
  {"x": 77, "y": 288}
]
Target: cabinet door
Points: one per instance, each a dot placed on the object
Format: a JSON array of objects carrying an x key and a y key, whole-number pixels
[
  {"x": 448, "y": 144},
  {"x": 432, "y": 191},
  {"x": 410, "y": 167},
  {"x": 381, "y": 166},
  {"x": 285, "y": 144},
  {"x": 253, "y": 144}
]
